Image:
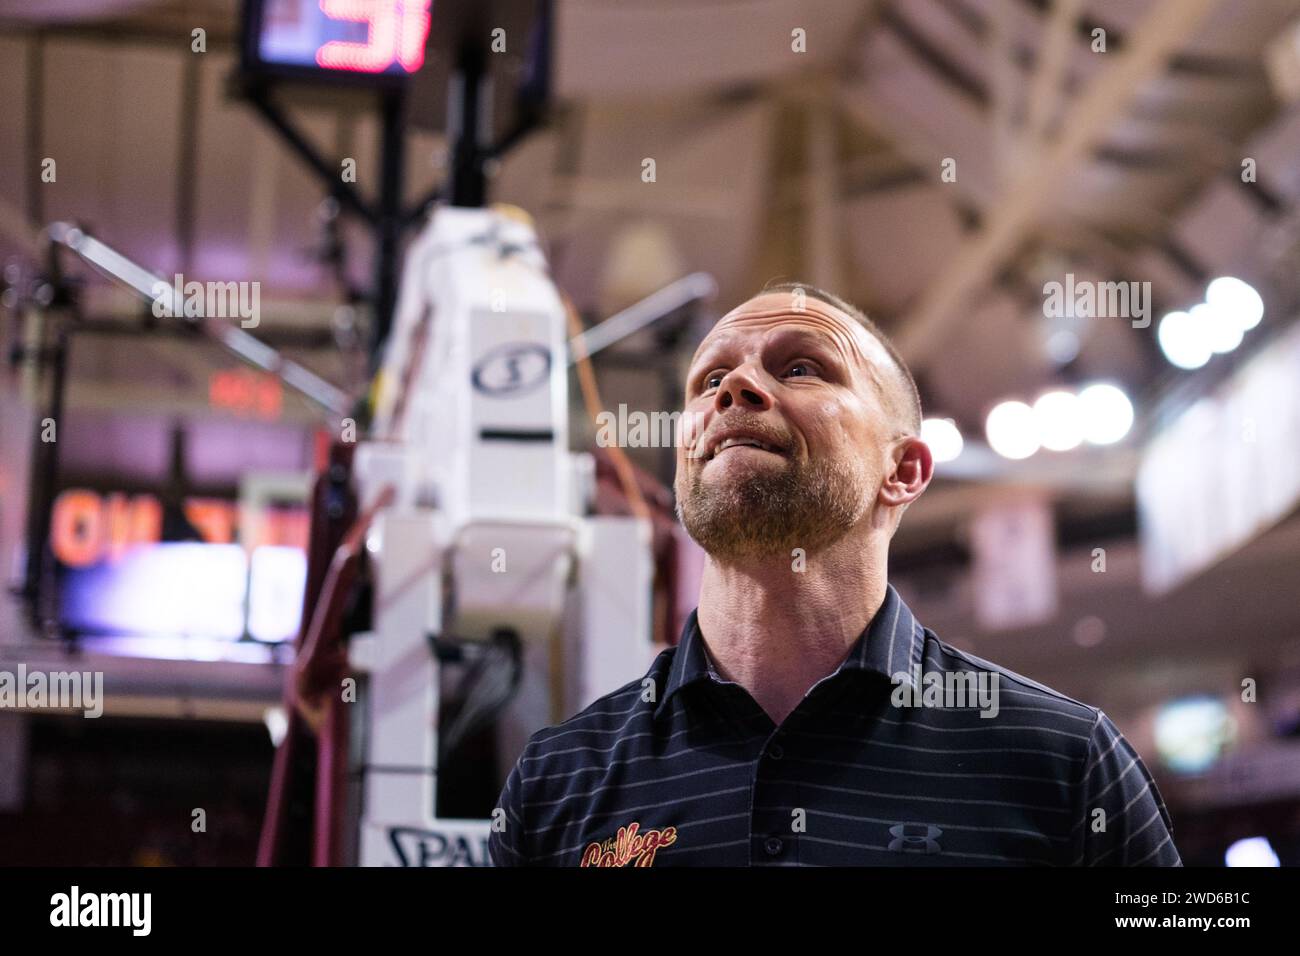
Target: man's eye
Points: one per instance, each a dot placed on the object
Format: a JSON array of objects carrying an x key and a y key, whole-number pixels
[
  {"x": 713, "y": 381},
  {"x": 800, "y": 369}
]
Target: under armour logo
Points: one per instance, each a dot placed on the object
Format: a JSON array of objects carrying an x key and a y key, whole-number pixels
[{"x": 915, "y": 838}]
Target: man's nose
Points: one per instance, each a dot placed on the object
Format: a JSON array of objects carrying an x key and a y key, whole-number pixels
[{"x": 742, "y": 387}]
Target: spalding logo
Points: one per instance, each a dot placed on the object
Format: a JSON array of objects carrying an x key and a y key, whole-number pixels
[
  {"x": 432, "y": 848},
  {"x": 512, "y": 369}
]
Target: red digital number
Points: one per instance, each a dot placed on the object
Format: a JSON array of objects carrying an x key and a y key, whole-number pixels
[{"x": 396, "y": 31}]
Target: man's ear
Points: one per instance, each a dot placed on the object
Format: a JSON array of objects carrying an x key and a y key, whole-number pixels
[{"x": 913, "y": 469}]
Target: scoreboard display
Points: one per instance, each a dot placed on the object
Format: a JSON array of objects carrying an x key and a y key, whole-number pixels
[{"x": 368, "y": 42}]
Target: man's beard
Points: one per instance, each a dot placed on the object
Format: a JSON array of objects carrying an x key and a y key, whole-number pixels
[{"x": 766, "y": 512}]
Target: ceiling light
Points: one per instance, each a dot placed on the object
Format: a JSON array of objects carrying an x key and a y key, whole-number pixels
[
  {"x": 943, "y": 437},
  {"x": 1237, "y": 300},
  {"x": 1182, "y": 341},
  {"x": 1106, "y": 412},
  {"x": 1059, "y": 420},
  {"x": 1011, "y": 430}
]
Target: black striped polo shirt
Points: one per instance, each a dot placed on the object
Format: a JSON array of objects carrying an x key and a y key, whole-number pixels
[{"x": 900, "y": 757}]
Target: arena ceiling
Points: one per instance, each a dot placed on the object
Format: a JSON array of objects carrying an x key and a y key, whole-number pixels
[{"x": 824, "y": 163}]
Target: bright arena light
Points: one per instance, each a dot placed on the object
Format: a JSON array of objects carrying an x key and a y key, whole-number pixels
[
  {"x": 1184, "y": 340},
  {"x": 1059, "y": 420},
  {"x": 1106, "y": 412},
  {"x": 942, "y": 436},
  {"x": 1237, "y": 300},
  {"x": 1011, "y": 430},
  {"x": 1222, "y": 334},
  {"x": 1251, "y": 851}
]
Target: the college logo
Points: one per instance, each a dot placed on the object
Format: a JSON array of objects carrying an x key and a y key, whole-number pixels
[
  {"x": 915, "y": 838},
  {"x": 630, "y": 847}
]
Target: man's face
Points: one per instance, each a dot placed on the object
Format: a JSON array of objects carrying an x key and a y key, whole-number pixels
[{"x": 814, "y": 388}]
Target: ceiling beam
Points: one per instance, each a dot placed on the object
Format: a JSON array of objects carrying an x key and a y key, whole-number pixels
[
  {"x": 1010, "y": 221},
  {"x": 1007, "y": 140},
  {"x": 1045, "y": 88}
]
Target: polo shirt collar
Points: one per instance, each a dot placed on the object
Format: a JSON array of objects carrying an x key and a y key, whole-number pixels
[{"x": 891, "y": 644}]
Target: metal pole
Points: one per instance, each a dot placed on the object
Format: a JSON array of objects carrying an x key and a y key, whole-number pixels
[
  {"x": 466, "y": 117},
  {"x": 391, "y": 219}
]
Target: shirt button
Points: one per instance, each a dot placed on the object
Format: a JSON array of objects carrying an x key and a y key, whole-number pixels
[
  {"x": 773, "y": 846},
  {"x": 776, "y": 751}
]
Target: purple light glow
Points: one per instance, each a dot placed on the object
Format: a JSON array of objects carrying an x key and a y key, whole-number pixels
[{"x": 188, "y": 590}]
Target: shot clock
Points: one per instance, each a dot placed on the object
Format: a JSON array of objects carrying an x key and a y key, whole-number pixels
[{"x": 362, "y": 42}]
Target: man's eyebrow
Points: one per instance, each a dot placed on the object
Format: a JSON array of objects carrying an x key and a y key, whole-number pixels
[
  {"x": 826, "y": 343},
  {"x": 709, "y": 349}
]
